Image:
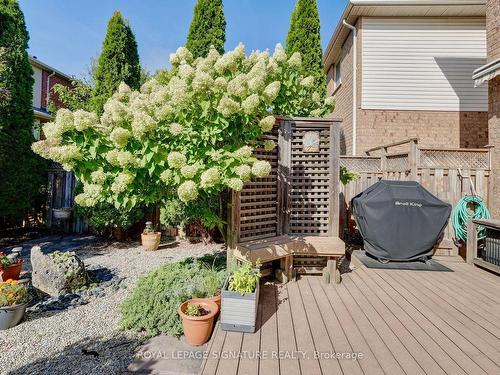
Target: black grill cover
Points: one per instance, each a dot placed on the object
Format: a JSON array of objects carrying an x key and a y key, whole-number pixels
[{"x": 399, "y": 220}]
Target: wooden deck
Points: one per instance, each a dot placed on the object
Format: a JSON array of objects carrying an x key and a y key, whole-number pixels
[{"x": 403, "y": 322}]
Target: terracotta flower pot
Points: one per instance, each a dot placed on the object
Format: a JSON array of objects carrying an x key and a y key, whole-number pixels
[
  {"x": 217, "y": 299},
  {"x": 151, "y": 241},
  {"x": 197, "y": 329},
  {"x": 12, "y": 272}
]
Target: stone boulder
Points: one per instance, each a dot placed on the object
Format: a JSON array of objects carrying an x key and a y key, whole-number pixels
[{"x": 57, "y": 272}]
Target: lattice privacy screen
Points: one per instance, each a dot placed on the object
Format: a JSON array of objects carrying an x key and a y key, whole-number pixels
[
  {"x": 259, "y": 199},
  {"x": 296, "y": 198}
]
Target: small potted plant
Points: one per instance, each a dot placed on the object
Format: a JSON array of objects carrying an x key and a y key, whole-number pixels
[
  {"x": 150, "y": 238},
  {"x": 10, "y": 266},
  {"x": 14, "y": 298},
  {"x": 240, "y": 298},
  {"x": 197, "y": 316}
]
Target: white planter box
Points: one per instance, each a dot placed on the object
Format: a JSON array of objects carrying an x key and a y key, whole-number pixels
[{"x": 239, "y": 312}]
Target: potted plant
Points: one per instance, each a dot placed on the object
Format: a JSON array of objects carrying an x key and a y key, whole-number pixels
[
  {"x": 197, "y": 316},
  {"x": 150, "y": 238},
  {"x": 240, "y": 298},
  {"x": 10, "y": 266},
  {"x": 14, "y": 298}
]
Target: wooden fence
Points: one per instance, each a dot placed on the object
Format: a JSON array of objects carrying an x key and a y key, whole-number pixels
[{"x": 447, "y": 173}]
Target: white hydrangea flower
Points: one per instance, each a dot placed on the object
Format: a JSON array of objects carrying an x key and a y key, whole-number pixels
[
  {"x": 330, "y": 101},
  {"x": 98, "y": 177},
  {"x": 166, "y": 176},
  {"x": 269, "y": 145},
  {"x": 186, "y": 71},
  {"x": 123, "y": 88},
  {"x": 164, "y": 111},
  {"x": 121, "y": 182},
  {"x": 272, "y": 90},
  {"x": 90, "y": 196},
  {"x": 239, "y": 51},
  {"x": 316, "y": 112},
  {"x": 187, "y": 191},
  {"x": 272, "y": 66},
  {"x": 176, "y": 160},
  {"x": 237, "y": 86},
  {"x": 182, "y": 54},
  {"x": 256, "y": 84},
  {"x": 175, "y": 128},
  {"x": 228, "y": 106},
  {"x": 221, "y": 83},
  {"x": 307, "y": 81},
  {"x": 279, "y": 53},
  {"x": 227, "y": 61},
  {"x": 244, "y": 152},
  {"x": 115, "y": 111},
  {"x": 213, "y": 55},
  {"x": 149, "y": 86},
  {"x": 251, "y": 104},
  {"x": 53, "y": 132},
  {"x": 84, "y": 120},
  {"x": 235, "y": 184},
  {"x": 244, "y": 172},
  {"x": 125, "y": 159},
  {"x": 267, "y": 123},
  {"x": 202, "y": 81},
  {"x": 157, "y": 97},
  {"x": 112, "y": 157},
  {"x": 189, "y": 171},
  {"x": 295, "y": 61},
  {"x": 210, "y": 177},
  {"x": 179, "y": 92},
  {"x": 142, "y": 124},
  {"x": 316, "y": 97},
  {"x": 65, "y": 119},
  {"x": 216, "y": 155},
  {"x": 120, "y": 136},
  {"x": 261, "y": 168}
]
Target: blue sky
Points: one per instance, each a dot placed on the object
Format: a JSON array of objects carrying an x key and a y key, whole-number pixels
[{"x": 67, "y": 34}]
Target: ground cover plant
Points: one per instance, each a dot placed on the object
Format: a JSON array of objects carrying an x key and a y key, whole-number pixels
[{"x": 152, "y": 305}]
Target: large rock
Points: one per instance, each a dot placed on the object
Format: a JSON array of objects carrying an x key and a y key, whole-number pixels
[{"x": 58, "y": 272}]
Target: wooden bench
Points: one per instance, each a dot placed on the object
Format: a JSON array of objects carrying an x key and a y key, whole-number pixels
[{"x": 298, "y": 255}]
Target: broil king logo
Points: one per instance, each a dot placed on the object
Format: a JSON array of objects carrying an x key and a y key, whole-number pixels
[{"x": 408, "y": 204}]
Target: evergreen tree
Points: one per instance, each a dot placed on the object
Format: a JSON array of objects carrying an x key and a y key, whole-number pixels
[
  {"x": 22, "y": 173},
  {"x": 208, "y": 28},
  {"x": 304, "y": 37},
  {"x": 118, "y": 62}
]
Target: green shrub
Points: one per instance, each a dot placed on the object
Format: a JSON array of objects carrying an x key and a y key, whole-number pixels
[
  {"x": 152, "y": 306},
  {"x": 245, "y": 278}
]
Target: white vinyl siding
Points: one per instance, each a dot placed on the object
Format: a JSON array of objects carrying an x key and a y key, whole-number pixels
[
  {"x": 37, "y": 87},
  {"x": 423, "y": 64}
]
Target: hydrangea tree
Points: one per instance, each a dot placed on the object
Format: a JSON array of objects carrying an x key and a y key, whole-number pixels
[{"x": 187, "y": 134}]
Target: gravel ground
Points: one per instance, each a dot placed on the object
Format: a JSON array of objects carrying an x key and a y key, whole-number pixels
[{"x": 85, "y": 339}]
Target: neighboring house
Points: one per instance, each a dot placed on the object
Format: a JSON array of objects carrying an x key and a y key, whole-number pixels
[
  {"x": 489, "y": 75},
  {"x": 403, "y": 68},
  {"x": 45, "y": 78}
]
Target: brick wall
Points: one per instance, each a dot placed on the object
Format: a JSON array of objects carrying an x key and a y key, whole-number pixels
[
  {"x": 343, "y": 96},
  {"x": 376, "y": 127},
  {"x": 53, "y": 81},
  {"x": 493, "y": 46},
  {"x": 433, "y": 128}
]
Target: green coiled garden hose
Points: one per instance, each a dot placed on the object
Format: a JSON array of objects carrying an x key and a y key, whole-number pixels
[{"x": 469, "y": 207}]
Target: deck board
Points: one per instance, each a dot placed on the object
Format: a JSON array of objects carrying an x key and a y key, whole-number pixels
[{"x": 404, "y": 322}]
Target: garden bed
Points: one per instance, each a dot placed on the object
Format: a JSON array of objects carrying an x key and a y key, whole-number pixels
[{"x": 84, "y": 338}]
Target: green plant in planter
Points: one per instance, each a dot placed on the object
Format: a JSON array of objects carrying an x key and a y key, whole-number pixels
[
  {"x": 194, "y": 309},
  {"x": 4, "y": 261},
  {"x": 12, "y": 293},
  {"x": 245, "y": 278},
  {"x": 149, "y": 229}
]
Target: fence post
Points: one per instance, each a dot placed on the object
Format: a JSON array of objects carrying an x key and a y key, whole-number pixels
[
  {"x": 383, "y": 162},
  {"x": 413, "y": 159}
]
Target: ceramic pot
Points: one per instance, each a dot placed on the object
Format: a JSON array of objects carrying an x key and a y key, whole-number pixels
[
  {"x": 151, "y": 241},
  {"x": 12, "y": 272},
  {"x": 10, "y": 316}
]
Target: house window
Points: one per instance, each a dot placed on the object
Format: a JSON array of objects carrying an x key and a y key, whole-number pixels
[{"x": 337, "y": 75}]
